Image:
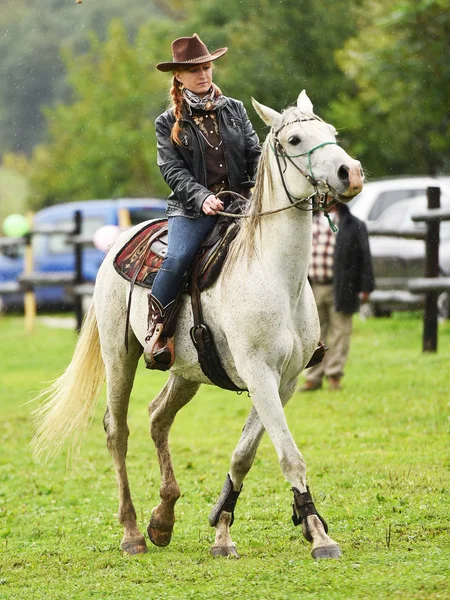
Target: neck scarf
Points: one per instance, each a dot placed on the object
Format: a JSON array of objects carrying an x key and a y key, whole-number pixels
[{"x": 209, "y": 102}]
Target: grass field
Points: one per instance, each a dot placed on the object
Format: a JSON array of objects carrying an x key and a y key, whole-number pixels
[{"x": 378, "y": 462}]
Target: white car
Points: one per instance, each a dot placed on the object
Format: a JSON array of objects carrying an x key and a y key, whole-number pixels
[
  {"x": 378, "y": 195},
  {"x": 398, "y": 259}
]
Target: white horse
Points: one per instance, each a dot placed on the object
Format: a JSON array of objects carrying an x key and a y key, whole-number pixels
[{"x": 265, "y": 325}]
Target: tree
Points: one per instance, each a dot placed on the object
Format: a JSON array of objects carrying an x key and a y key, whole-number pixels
[
  {"x": 103, "y": 145},
  {"x": 398, "y": 63},
  {"x": 278, "y": 48},
  {"x": 33, "y": 72}
]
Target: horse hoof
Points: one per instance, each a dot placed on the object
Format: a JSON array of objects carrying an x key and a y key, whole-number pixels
[
  {"x": 135, "y": 546},
  {"x": 321, "y": 552},
  {"x": 224, "y": 551},
  {"x": 160, "y": 536}
]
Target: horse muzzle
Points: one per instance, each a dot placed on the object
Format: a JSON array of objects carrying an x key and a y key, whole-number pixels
[{"x": 351, "y": 178}]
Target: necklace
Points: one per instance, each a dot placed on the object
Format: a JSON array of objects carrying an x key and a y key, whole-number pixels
[{"x": 207, "y": 141}]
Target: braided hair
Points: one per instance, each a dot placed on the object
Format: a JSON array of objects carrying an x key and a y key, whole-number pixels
[
  {"x": 176, "y": 100},
  {"x": 177, "y": 103}
]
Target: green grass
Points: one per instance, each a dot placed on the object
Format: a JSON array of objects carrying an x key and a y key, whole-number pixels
[{"x": 378, "y": 465}]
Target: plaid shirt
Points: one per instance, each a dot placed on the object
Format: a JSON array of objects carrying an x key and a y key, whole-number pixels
[{"x": 323, "y": 243}]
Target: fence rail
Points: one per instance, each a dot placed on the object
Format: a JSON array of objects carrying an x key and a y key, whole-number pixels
[
  {"x": 47, "y": 279},
  {"x": 410, "y": 234},
  {"x": 432, "y": 284},
  {"x": 429, "y": 284},
  {"x": 29, "y": 279},
  {"x": 10, "y": 287}
]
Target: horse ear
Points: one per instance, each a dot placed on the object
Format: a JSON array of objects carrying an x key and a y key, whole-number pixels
[
  {"x": 268, "y": 115},
  {"x": 304, "y": 103}
]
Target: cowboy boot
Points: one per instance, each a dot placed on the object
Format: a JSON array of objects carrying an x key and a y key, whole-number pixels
[{"x": 158, "y": 351}]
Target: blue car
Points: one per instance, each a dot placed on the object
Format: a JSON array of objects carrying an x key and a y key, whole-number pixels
[{"x": 53, "y": 253}]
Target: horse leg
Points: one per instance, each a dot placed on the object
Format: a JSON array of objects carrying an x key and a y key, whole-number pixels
[
  {"x": 222, "y": 515},
  {"x": 162, "y": 411},
  {"x": 263, "y": 389},
  {"x": 120, "y": 372}
]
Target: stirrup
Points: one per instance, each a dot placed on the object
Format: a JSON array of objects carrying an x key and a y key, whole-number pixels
[
  {"x": 318, "y": 355},
  {"x": 159, "y": 350}
]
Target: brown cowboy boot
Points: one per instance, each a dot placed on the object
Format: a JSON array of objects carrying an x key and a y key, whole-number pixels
[{"x": 158, "y": 351}]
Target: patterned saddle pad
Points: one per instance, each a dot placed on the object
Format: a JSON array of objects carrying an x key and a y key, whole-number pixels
[{"x": 140, "y": 258}]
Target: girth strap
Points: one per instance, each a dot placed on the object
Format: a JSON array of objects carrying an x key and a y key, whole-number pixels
[{"x": 203, "y": 340}]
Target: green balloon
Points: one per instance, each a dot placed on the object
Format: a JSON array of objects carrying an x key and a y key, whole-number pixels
[{"x": 15, "y": 226}]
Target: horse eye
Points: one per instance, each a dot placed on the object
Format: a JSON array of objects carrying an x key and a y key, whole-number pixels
[{"x": 294, "y": 140}]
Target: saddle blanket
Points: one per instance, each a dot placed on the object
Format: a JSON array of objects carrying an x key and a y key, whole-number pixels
[{"x": 139, "y": 260}]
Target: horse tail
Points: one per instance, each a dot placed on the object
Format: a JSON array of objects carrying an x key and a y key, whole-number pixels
[{"x": 69, "y": 402}]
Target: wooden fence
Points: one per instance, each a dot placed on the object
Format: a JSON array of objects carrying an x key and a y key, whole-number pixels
[
  {"x": 30, "y": 279},
  {"x": 432, "y": 284}
]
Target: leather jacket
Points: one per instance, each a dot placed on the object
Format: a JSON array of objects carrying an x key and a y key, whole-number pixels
[{"x": 184, "y": 167}]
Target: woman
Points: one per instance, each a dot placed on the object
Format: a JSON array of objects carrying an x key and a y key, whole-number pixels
[{"x": 206, "y": 144}]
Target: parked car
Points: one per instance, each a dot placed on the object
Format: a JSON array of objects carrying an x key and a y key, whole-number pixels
[
  {"x": 54, "y": 253},
  {"x": 380, "y": 194},
  {"x": 398, "y": 259}
]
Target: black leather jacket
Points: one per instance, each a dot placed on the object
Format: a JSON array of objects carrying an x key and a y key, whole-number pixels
[{"x": 184, "y": 167}]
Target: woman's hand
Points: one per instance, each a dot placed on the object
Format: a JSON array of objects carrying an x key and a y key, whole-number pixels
[{"x": 211, "y": 205}]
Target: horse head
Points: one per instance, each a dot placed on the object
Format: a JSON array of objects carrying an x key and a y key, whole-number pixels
[{"x": 309, "y": 158}]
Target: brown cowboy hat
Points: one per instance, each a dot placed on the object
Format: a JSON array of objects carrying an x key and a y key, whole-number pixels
[{"x": 189, "y": 51}]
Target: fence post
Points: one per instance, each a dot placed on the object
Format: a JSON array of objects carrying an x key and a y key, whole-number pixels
[
  {"x": 29, "y": 298},
  {"x": 78, "y": 250},
  {"x": 430, "y": 317},
  {"x": 124, "y": 218}
]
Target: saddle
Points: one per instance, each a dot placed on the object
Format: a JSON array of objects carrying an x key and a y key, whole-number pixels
[{"x": 139, "y": 260}]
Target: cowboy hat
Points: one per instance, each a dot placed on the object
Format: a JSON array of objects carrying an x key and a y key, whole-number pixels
[{"x": 189, "y": 51}]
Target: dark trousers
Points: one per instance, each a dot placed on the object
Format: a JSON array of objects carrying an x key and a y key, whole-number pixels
[{"x": 185, "y": 238}]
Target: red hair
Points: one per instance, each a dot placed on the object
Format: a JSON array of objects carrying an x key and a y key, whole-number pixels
[{"x": 177, "y": 103}]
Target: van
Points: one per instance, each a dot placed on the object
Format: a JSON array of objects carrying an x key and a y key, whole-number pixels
[{"x": 53, "y": 253}]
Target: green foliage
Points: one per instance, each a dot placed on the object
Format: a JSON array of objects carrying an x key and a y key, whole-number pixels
[
  {"x": 14, "y": 191},
  {"x": 103, "y": 145},
  {"x": 378, "y": 467},
  {"x": 377, "y": 70},
  {"x": 398, "y": 111},
  {"x": 33, "y": 73},
  {"x": 278, "y": 48}
]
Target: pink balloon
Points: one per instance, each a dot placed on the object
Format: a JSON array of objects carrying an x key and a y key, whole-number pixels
[{"x": 105, "y": 237}]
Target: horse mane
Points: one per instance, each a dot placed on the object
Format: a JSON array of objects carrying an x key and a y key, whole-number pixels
[{"x": 243, "y": 246}]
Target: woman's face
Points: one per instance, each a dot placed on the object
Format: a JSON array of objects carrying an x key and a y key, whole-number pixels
[{"x": 197, "y": 79}]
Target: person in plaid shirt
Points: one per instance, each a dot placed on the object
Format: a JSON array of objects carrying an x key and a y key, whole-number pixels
[{"x": 341, "y": 275}]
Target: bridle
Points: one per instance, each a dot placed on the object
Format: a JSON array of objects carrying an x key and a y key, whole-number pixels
[{"x": 318, "y": 198}]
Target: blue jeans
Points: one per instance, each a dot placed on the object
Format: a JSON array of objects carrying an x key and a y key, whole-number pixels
[{"x": 185, "y": 238}]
